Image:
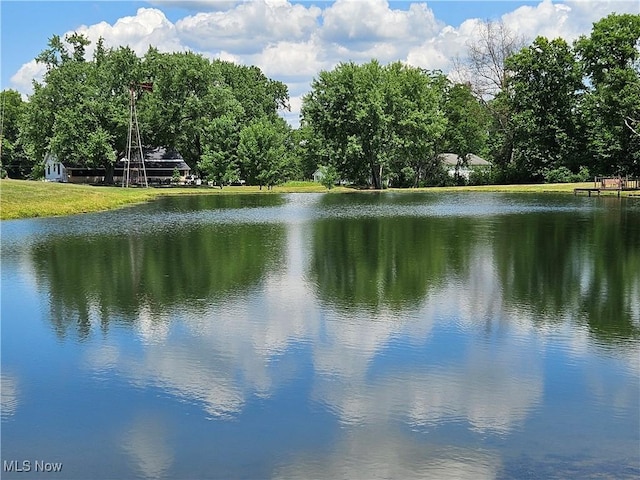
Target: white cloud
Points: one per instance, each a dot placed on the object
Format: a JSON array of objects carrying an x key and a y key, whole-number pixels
[
  {"x": 23, "y": 79},
  {"x": 250, "y": 27},
  {"x": 290, "y": 60},
  {"x": 547, "y": 19},
  {"x": 365, "y": 23},
  {"x": 148, "y": 27}
]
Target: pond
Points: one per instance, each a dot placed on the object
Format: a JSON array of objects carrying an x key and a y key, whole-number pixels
[{"x": 364, "y": 335}]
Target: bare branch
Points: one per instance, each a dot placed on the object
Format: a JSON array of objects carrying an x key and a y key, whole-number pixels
[
  {"x": 485, "y": 63},
  {"x": 627, "y": 122}
]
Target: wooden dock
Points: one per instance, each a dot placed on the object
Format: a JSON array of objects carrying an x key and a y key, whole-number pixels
[{"x": 610, "y": 184}]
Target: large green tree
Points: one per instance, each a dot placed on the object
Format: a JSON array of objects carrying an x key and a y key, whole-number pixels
[
  {"x": 611, "y": 60},
  {"x": 467, "y": 123},
  {"x": 372, "y": 120},
  {"x": 546, "y": 83},
  {"x": 13, "y": 159},
  {"x": 80, "y": 111},
  {"x": 200, "y": 107},
  {"x": 262, "y": 151}
]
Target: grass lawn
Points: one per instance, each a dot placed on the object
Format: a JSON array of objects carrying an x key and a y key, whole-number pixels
[{"x": 25, "y": 199}]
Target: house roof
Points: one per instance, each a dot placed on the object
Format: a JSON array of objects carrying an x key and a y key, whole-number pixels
[
  {"x": 472, "y": 160},
  {"x": 160, "y": 158},
  {"x": 161, "y": 153}
]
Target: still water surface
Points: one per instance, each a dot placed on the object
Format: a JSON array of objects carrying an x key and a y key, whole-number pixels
[{"x": 325, "y": 336}]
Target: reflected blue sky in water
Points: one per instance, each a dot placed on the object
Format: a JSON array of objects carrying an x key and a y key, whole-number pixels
[{"x": 274, "y": 382}]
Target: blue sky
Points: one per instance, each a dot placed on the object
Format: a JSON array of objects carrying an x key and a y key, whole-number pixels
[{"x": 291, "y": 41}]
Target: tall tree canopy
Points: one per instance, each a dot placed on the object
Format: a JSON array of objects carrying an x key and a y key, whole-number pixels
[
  {"x": 12, "y": 160},
  {"x": 530, "y": 109},
  {"x": 373, "y": 118},
  {"x": 611, "y": 60},
  {"x": 546, "y": 82},
  {"x": 80, "y": 112}
]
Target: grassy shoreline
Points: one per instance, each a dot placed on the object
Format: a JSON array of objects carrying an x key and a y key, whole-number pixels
[{"x": 30, "y": 199}]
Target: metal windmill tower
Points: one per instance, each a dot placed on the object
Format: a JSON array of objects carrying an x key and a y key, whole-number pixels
[{"x": 134, "y": 171}]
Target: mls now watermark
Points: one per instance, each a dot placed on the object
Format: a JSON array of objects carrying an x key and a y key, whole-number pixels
[{"x": 39, "y": 466}]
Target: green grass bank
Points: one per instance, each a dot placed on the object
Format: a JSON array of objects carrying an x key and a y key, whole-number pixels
[{"x": 28, "y": 199}]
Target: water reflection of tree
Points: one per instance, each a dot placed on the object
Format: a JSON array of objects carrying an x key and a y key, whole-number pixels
[
  {"x": 196, "y": 203},
  {"x": 115, "y": 277},
  {"x": 549, "y": 266},
  {"x": 585, "y": 267},
  {"x": 391, "y": 262}
]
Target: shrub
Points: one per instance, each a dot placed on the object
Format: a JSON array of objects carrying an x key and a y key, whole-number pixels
[
  {"x": 582, "y": 176},
  {"x": 480, "y": 176},
  {"x": 558, "y": 175},
  {"x": 329, "y": 176}
]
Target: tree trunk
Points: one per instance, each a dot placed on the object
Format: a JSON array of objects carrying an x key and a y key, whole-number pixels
[
  {"x": 108, "y": 174},
  {"x": 376, "y": 172}
]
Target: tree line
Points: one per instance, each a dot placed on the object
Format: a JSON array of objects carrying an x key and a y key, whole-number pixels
[{"x": 547, "y": 111}]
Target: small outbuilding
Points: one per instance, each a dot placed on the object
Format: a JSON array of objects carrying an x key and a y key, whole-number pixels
[
  {"x": 318, "y": 175},
  {"x": 54, "y": 170}
]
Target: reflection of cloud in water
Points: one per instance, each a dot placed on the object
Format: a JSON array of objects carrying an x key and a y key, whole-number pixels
[
  {"x": 104, "y": 357},
  {"x": 8, "y": 394},
  {"x": 372, "y": 454},
  {"x": 232, "y": 349},
  {"x": 228, "y": 353},
  {"x": 190, "y": 373},
  {"x": 491, "y": 394},
  {"x": 146, "y": 444},
  {"x": 350, "y": 346},
  {"x": 153, "y": 328},
  {"x": 493, "y": 389}
]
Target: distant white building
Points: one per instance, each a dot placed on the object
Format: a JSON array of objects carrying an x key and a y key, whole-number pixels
[
  {"x": 54, "y": 170},
  {"x": 160, "y": 164},
  {"x": 318, "y": 175},
  {"x": 463, "y": 166}
]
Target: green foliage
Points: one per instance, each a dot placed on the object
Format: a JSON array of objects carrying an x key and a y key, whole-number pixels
[
  {"x": 546, "y": 81},
  {"x": 81, "y": 110},
  {"x": 329, "y": 176},
  {"x": 14, "y": 159},
  {"x": 583, "y": 175},
  {"x": 262, "y": 152},
  {"x": 467, "y": 122},
  {"x": 611, "y": 60},
  {"x": 481, "y": 176},
  {"x": 558, "y": 175},
  {"x": 564, "y": 175},
  {"x": 175, "y": 176},
  {"x": 370, "y": 121}
]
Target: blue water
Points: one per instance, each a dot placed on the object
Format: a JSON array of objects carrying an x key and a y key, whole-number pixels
[{"x": 325, "y": 336}]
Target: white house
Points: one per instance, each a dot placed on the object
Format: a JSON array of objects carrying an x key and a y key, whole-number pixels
[
  {"x": 159, "y": 162},
  {"x": 318, "y": 175},
  {"x": 54, "y": 170},
  {"x": 463, "y": 166}
]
